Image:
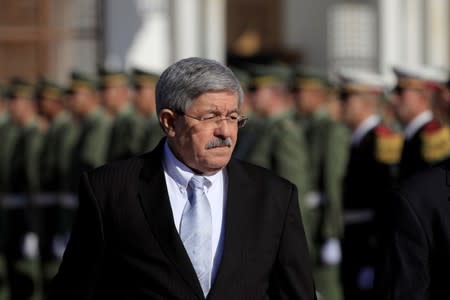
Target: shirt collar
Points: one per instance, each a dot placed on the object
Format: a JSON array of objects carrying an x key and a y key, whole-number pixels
[
  {"x": 364, "y": 128},
  {"x": 417, "y": 122},
  {"x": 181, "y": 173}
]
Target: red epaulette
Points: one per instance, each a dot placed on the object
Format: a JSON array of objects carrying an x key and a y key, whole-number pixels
[
  {"x": 383, "y": 130},
  {"x": 432, "y": 126}
]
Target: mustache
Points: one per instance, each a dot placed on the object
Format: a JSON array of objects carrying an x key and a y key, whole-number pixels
[{"x": 219, "y": 142}]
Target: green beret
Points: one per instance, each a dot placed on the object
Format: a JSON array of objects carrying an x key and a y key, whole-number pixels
[
  {"x": 81, "y": 81},
  {"x": 47, "y": 89},
  {"x": 19, "y": 87},
  {"x": 269, "y": 75},
  {"x": 309, "y": 79},
  {"x": 110, "y": 78},
  {"x": 141, "y": 78}
]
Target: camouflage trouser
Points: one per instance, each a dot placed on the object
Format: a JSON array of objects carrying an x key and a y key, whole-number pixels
[{"x": 327, "y": 282}]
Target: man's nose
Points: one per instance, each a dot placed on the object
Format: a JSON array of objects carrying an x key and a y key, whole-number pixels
[{"x": 223, "y": 128}]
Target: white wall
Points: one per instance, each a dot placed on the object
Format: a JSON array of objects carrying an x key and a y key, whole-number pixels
[
  {"x": 154, "y": 33},
  {"x": 305, "y": 28}
]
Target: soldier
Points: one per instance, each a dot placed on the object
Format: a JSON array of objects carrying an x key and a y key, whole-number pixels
[
  {"x": 150, "y": 132},
  {"x": 90, "y": 148},
  {"x": 116, "y": 96},
  {"x": 327, "y": 146},
  {"x": 248, "y": 135},
  {"x": 427, "y": 141},
  {"x": 23, "y": 184},
  {"x": 280, "y": 146},
  {"x": 54, "y": 173},
  {"x": 375, "y": 150},
  {"x": 445, "y": 102},
  {"x": 3, "y": 108},
  {"x": 5, "y": 133}
]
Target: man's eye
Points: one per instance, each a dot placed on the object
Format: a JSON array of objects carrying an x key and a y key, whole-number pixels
[
  {"x": 234, "y": 117},
  {"x": 209, "y": 117}
]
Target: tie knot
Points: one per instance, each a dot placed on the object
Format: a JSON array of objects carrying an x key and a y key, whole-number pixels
[{"x": 197, "y": 182}]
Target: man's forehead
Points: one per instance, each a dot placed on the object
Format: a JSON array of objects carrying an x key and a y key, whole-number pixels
[{"x": 218, "y": 99}]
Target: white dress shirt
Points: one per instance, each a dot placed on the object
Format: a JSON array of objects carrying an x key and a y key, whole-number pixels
[
  {"x": 363, "y": 128},
  {"x": 177, "y": 177},
  {"x": 417, "y": 122}
]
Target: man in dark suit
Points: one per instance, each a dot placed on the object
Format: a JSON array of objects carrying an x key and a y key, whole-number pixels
[
  {"x": 417, "y": 257},
  {"x": 373, "y": 153},
  {"x": 185, "y": 221}
]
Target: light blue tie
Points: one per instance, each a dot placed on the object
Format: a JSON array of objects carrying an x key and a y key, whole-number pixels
[{"x": 195, "y": 231}]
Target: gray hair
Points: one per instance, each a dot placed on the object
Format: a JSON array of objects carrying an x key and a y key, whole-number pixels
[{"x": 181, "y": 83}]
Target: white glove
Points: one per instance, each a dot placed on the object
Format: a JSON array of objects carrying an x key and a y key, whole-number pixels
[
  {"x": 313, "y": 199},
  {"x": 331, "y": 252},
  {"x": 30, "y": 246},
  {"x": 366, "y": 278}
]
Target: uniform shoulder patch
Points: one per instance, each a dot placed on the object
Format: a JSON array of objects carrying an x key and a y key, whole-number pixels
[
  {"x": 435, "y": 141},
  {"x": 388, "y": 146}
]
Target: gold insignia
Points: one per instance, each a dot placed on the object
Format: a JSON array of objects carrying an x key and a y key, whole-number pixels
[
  {"x": 264, "y": 81},
  {"x": 114, "y": 80},
  {"x": 80, "y": 84},
  {"x": 436, "y": 144},
  {"x": 388, "y": 148},
  {"x": 51, "y": 93},
  {"x": 146, "y": 80},
  {"x": 313, "y": 84}
]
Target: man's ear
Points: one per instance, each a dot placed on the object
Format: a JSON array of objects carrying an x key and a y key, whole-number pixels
[{"x": 167, "y": 119}]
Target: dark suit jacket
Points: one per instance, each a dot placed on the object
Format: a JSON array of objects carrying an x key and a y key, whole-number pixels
[
  {"x": 412, "y": 160},
  {"x": 124, "y": 244},
  {"x": 366, "y": 184},
  {"x": 417, "y": 260},
  {"x": 366, "y": 179}
]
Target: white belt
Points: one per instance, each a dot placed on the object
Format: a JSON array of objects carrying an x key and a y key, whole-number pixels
[
  {"x": 44, "y": 199},
  {"x": 313, "y": 199},
  {"x": 14, "y": 201},
  {"x": 358, "y": 216},
  {"x": 68, "y": 200}
]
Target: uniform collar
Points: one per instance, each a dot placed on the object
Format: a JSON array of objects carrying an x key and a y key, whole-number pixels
[
  {"x": 4, "y": 118},
  {"x": 125, "y": 111},
  {"x": 363, "y": 128},
  {"x": 281, "y": 115},
  {"x": 93, "y": 114},
  {"x": 417, "y": 123}
]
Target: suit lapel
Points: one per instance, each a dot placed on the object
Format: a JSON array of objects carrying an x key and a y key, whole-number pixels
[
  {"x": 154, "y": 200},
  {"x": 236, "y": 217}
]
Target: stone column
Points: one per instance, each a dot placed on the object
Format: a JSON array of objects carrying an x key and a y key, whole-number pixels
[{"x": 437, "y": 36}]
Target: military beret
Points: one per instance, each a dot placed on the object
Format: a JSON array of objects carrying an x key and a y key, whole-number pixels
[
  {"x": 19, "y": 87},
  {"x": 47, "y": 89},
  {"x": 141, "y": 78},
  {"x": 110, "y": 78},
  {"x": 269, "y": 75},
  {"x": 81, "y": 81},
  {"x": 304, "y": 78}
]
